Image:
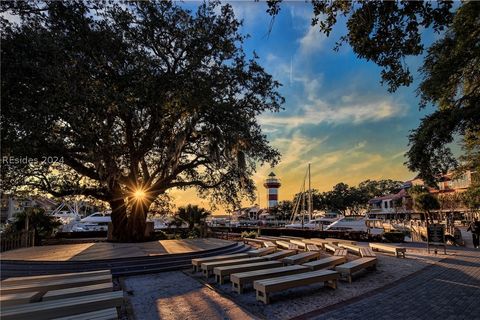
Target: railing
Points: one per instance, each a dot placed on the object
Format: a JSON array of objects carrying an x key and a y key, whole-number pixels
[{"x": 17, "y": 240}]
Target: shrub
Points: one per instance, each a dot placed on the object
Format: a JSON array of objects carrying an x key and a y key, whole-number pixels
[
  {"x": 249, "y": 234},
  {"x": 394, "y": 236},
  {"x": 43, "y": 224}
]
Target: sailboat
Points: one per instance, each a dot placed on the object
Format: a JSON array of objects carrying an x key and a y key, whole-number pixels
[{"x": 302, "y": 215}]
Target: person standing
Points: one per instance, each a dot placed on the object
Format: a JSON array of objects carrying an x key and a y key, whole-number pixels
[{"x": 474, "y": 228}]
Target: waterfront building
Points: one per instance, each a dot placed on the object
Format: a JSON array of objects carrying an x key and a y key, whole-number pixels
[{"x": 400, "y": 204}]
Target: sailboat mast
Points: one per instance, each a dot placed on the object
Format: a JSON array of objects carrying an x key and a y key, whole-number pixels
[{"x": 309, "y": 194}]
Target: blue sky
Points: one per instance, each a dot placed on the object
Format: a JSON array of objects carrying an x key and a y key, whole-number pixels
[{"x": 337, "y": 115}]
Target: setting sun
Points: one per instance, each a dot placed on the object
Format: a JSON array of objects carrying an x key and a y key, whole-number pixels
[{"x": 139, "y": 194}]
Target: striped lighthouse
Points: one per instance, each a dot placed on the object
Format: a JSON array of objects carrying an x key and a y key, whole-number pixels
[{"x": 272, "y": 184}]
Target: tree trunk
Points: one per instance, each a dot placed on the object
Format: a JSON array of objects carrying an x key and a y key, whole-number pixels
[
  {"x": 119, "y": 219},
  {"x": 137, "y": 221}
]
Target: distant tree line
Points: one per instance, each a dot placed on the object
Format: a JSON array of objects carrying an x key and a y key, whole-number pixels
[{"x": 342, "y": 198}]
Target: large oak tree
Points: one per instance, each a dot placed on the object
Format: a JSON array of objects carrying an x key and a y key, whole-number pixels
[{"x": 135, "y": 99}]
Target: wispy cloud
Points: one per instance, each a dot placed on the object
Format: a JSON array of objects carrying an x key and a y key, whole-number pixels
[
  {"x": 356, "y": 111},
  {"x": 312, "y": 41}
]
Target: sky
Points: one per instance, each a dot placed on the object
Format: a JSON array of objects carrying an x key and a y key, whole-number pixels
[{"x": 337, "y": 116}]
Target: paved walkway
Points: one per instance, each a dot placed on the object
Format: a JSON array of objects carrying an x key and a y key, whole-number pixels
[
  {"x": 111, "y": 250},
  {"x": 448, "y": 290}
]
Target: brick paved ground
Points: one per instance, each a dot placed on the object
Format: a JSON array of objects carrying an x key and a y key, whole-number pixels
[{"x": 448, "y": 290}]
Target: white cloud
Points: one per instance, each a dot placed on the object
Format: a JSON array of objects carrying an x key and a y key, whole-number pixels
[
  {"x": 312, "y": 41},
  {"x": 319, "y": 111}
]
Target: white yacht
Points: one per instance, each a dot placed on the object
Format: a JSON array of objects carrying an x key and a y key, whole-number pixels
[
  {"x": 98, "y": 218},
  {"x": 97, "y": 221},
  {"x": 318, "y": 222},
  {"x": 327, "y": 218},
  {"x": 357, "y": 223}
]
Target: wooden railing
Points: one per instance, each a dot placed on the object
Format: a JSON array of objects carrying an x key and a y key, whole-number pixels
[{"x": 17, "y": 240}]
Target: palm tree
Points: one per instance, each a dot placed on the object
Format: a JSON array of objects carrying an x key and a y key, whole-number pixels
[
  {"x": 424, "y": 201},
  {"x": 42, "y": 224},
  {"x": 192, "y": 215}
]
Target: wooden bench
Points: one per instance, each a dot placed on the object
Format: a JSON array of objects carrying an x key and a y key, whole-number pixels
[
  {"x": 239, "y": 280},
  {"x": 340, "y": 252},
  {"x": 286, "y": 245},
  {"x": 198, "y": 261},
  {"x": 77, "y": 291},
  {"x": 269, "y": 244},
  {"x": 261, "y": 252},
  {"x": 347, "y": 269},
  {"x": 325, "y": 263},
  {"x": 312, "y": 247},
  {"x": 301, "y": 257},
  {"x": 330, "y": 247},
  {"x": 222, "y": 272},
  {"x": 317, "y": 241},
  {"x": 207, "y": 267},
  {"x": 252, "y": 240},
  {"x": 50, "y": 277},
  {"x": 54, "y": 284},
  {"x": 279, "y": 254},
  {"x": 20, "y": 298},
  {"x": 299, "y": 243},
  {"x": 350, "y": 247},
  {"x": 341, "y": 241},
  {"x": 266, "y": 286},
  {"x": 105, "y": 314},
  {"x": 398, "y": 251},
  {"x": 63, "y": 307},
  {"x": 367, "y": 252}
]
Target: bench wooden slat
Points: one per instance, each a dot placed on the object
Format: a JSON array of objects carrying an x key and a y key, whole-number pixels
[
  {"x": 347, "y": 269},
  {"x": 261, "y": 252},
  {"x": 239, "y": 280},
  {"x": 105, "y": 314},
  {"x": 50, "y": 277},
  {"x": 367, "y": 252},
  {"x": 198, "y": 261},
  {"x": 77, "y": 291},
  {"x": 266, "y": 286},
  {"x": 269, "y": 244},
  {"x": 222, "y": 272},
  {"x": 312, "y": 247},
  {"x": 63, "y": 307},
  {"x": 398, "y": 251},
  {"x": 341, "y": 241},
  {"x": 208, "y": 267},
  {"x": 317, "y": 241},
  {"x": 299, "y": 243},
  {"x": 19, "y": 298},
  {"x": 350, "y": 247},
  {"x": 286, "y": 245},
  {"x": 340, "y": 252},
  {"x": 328, "y": 262},
  {"x": 330, "y": 247},
  {"x": 279, "y": 254},
  {"x": 301, "y": 257},
  {"x": 55, "y": 284}
]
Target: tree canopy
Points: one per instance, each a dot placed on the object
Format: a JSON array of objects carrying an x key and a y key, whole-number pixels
[
  {"x": 126, "y": 101},
  {"x": 345, "y": 199},
  {"x": 386, "y": 32}
]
